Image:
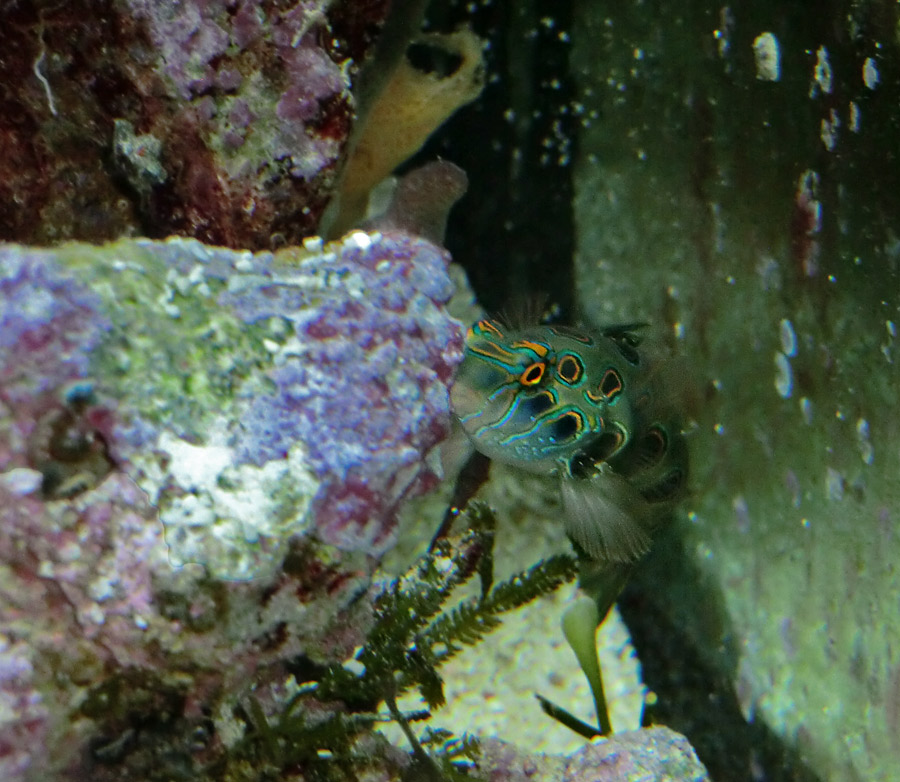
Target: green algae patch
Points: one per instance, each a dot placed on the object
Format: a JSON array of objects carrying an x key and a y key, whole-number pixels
[{"x": 174, "y": 352}]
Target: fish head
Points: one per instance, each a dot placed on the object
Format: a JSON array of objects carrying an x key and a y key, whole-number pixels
[{"x": 525, "y": 397}]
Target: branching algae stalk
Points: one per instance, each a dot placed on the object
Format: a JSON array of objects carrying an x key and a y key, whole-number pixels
[{"x": 336, "y": 706}]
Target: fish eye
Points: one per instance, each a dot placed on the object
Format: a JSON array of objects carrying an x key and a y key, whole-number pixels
[
  {"x": 533, "y": 374},
  {"x": 569, "y": 369}
]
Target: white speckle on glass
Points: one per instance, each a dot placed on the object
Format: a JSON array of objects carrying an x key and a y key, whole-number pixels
[{"x": 768, "y": 57}]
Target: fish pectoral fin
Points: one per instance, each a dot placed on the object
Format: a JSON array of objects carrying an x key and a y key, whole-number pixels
[{"x": 607, "y": 517}]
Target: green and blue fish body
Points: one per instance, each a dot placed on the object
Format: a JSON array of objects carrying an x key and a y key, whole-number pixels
[{"x": 591, "y": 409}]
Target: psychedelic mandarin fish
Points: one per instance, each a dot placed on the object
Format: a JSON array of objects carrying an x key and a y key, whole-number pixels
[{"x": 587, "y": 408}]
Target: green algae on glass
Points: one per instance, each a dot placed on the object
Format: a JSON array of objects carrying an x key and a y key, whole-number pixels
[{"x": 752, "y": 209}]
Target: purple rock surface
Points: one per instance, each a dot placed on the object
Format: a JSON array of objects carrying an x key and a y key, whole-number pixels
[
  {"x": 175, "y": 420},
  {"x": 224, "y": 120},
  {"x": 647, "y": 755},
  {"x": 372, "y": 369}
]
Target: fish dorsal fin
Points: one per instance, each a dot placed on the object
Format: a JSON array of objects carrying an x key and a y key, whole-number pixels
[{"x": 607, "y": 517}]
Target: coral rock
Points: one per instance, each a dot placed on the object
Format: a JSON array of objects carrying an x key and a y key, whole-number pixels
[
  {"x": 635, "y": 756},
  {"x": 165, "y": 405},
  {"x": 223, "y": 120},
  {"x": 236, "y": 389}
]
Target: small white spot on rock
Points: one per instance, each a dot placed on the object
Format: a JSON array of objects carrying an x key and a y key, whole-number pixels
[
  {"x": 358, "y": 238},
  {"x": 313, "y": 244},
  {"x": 95, "y": 614},
  {"x": 21, "y": 481},
  {"x": 101, "y": 589},
  {"x": 244, "y": 263}
]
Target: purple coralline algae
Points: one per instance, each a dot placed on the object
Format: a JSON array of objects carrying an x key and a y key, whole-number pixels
[
  {"x": 368, "y": 370},
  {"x": 89, "y": 600},
  {"x": 656, "y": 753},
  {"x": 75, "y": 596},
  {"x": 48, "y": 326},
  {"x": 224, "y": 120},
  {"x": 23, "y": 717},
  {"x": 175, "y": 419},
  {"x": 238, "y": 389},
  {"x": 635, "y": 756}
]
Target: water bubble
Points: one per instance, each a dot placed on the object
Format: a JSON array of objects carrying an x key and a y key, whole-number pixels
[
  {"x": 788, "y": 338},
  {"x": 834, "y": 484},
  {"x": 823, "y": 70},
  {"x": 784, "y": 378},
  {"x": 870, "y": 73},
  {"x": 768, "y": 57},
  {"x": 866, "y": 450}
]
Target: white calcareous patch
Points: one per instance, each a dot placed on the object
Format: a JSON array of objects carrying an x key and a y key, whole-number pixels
[
  {"x": 359, "y": 239},
  {"x": 216, "y": 512},
  {"x": 313, "y": 244},
  {"x": 21, "y": 481}
]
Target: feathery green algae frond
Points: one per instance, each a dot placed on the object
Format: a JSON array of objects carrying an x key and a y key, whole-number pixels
[
  {"x": 320, "y": 727},
  {"x": 472, "y": 619}
]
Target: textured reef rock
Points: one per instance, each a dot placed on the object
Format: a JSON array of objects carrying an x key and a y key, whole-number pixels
[
  {"x": 175, "y": 421},
  {"x": 223, "y": 120},
  {"x": 650, "y": 754},
  {"x": 237, "y": 390},
  {"x": 655, "y": 753},
  {"x": 738, "y": 182},
  {"x": 230, "y": 121}
]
